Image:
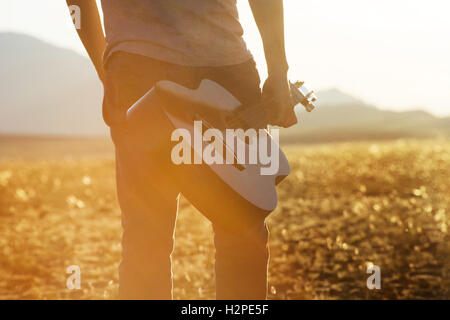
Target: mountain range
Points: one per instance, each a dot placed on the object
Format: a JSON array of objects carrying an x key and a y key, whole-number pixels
[{"x": 47, "y": 90}]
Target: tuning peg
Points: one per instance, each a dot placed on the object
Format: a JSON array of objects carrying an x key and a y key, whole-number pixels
[{"x": 298, "y": 84}]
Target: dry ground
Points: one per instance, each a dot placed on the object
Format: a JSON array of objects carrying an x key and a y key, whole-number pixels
[{"x": 344, "y": 207}]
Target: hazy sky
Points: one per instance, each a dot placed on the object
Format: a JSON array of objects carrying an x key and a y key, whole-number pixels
[{"x": 393, "y": 53}]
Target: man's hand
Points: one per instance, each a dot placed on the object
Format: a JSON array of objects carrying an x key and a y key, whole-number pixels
[
  {"x": 276, "y": 93},
  {"x": 112, "y": 112}
]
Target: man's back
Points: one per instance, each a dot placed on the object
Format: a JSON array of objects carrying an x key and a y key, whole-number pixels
[
  {"x": 197, "y": 39},
  {"x": 186, "y": 32}
]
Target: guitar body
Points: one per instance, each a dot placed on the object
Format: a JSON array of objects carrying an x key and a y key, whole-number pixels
[{"x": 233, "y": 195}]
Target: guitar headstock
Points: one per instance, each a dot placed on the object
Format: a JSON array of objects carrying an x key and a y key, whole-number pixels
[{"x": 301, "y": 94}]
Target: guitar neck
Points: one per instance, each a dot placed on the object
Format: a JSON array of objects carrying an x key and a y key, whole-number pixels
[{"x": 257, "y": 116}]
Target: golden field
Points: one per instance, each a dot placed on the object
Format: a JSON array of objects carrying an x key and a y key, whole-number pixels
[{"x": 343, "y": 207}]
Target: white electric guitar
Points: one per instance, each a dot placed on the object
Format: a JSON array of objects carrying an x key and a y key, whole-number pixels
[{"x": 236, "y": 189}]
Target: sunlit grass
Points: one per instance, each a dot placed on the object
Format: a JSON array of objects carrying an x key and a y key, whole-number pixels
[{"x": 343, "y": 207}]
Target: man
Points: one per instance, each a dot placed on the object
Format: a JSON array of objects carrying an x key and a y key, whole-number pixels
[{"x": 183, "y": 41}]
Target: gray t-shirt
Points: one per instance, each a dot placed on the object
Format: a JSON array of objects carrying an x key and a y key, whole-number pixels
[{"x": 185, "y": 32}]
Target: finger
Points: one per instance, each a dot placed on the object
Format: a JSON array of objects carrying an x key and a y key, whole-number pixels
[{"x": 290, "y": 119}]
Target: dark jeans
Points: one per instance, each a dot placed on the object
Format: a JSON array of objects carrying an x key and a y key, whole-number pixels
[{"x": 149, "y": 202}]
